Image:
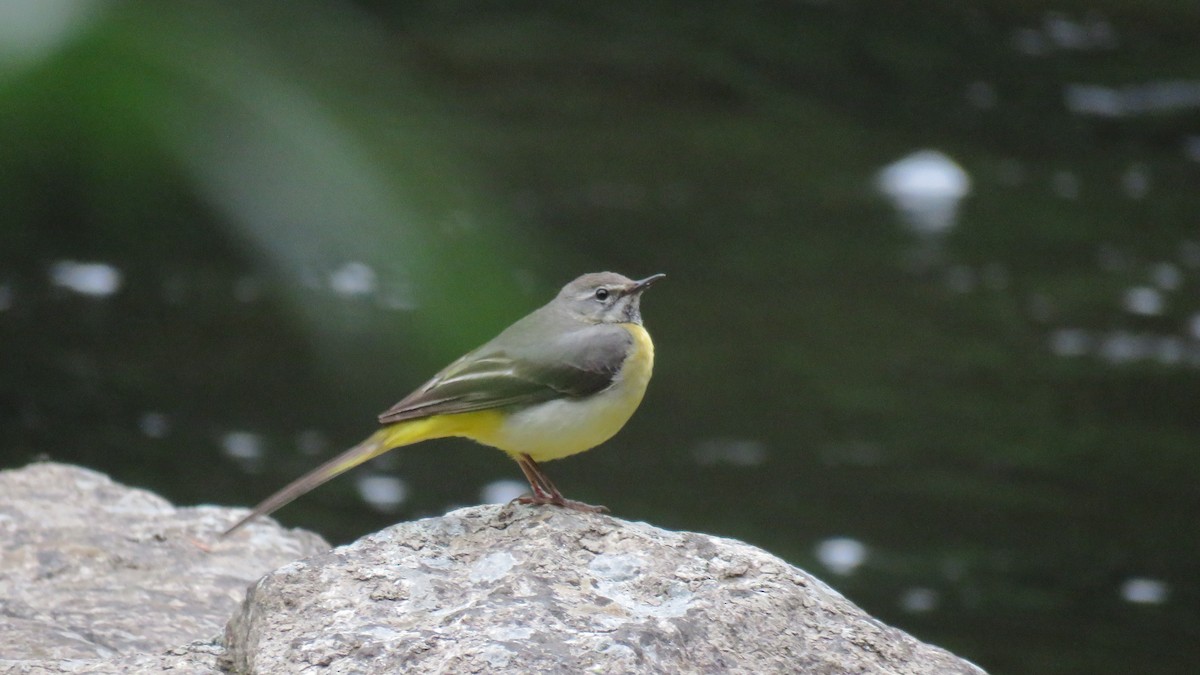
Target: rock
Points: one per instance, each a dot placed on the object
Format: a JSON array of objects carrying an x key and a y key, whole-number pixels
[
  {"x": 99, "y": 577},
  {"x": 96, "y": 577},
  {"x": 515, "y": 589}
]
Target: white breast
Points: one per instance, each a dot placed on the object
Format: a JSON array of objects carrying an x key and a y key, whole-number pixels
[{"x": 565, "y": 427}]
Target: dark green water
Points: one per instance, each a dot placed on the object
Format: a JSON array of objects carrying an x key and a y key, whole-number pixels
[{"x": 295, "y": 214}]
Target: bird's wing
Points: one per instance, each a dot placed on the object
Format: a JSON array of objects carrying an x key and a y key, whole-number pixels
[{"x": 574, "y": 364}]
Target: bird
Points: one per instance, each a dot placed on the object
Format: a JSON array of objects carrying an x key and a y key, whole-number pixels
[{"x": 561, "y": 380}]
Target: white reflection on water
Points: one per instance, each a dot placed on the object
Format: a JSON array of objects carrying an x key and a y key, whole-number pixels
[
  {"x": 1070, "y": 342},
  {"x": 918, "y": 600},
  {"x": 1091, "y": 32},
  {"x": 502, "y": 491},
  {"x": 842, "y": 555},
  {"x": 353, "y": 279},
  {"x": 926, "y": 188},
  {"x": 1123, "y": 347},
  {"x": 1138, "y": 99},
  {"x": 735, "y": 451},
  {"x": 95, "y": 279},
  {"x": 1194, "y": 326},
  {"x": 1062, "y": 32},
  {"x": 1144, "y": 301},
  {"x": 1065, "y": 33},
  {"x": 382, "y": 493},
  {"x": 244, "y": 447},
  {"x": 1143, "y": 591},
  {"x": 154, "y": 425}
]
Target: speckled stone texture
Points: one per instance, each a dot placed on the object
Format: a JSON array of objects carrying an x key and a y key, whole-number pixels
[
  {"x": 98, "y": 577},
  {"x": 514, "y": 589}
]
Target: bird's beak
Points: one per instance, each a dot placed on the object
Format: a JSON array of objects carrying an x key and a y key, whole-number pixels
[{"x": 639, "y": 286}]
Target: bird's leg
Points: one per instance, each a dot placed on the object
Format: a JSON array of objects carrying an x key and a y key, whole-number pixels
[{"x": 544, "y": 491}]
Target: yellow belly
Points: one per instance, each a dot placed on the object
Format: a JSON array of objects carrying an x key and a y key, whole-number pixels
[{"x": 565, "y": 427}]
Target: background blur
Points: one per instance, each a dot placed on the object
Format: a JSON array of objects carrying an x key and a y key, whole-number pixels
[{"x": 931, "y": 328}]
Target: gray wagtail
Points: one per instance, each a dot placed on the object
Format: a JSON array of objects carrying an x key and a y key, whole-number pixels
[{"x": 562, "y": 380}]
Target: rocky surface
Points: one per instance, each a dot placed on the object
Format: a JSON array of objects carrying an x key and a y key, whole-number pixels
[
  {"x": 96, "y": 577},
  {"x": 513, "y": 589}
]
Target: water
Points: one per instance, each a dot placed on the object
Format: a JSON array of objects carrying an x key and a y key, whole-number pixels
[{"x": 970, "y": 409}]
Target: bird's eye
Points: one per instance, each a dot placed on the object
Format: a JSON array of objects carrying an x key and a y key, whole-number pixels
[{"x": 601, "y": 294}]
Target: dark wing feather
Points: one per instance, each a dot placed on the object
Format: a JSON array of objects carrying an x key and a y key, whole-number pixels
[{"x": 578, "y": 363}]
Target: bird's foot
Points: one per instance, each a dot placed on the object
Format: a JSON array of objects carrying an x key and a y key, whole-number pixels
[{"x": 559, "y": 500}]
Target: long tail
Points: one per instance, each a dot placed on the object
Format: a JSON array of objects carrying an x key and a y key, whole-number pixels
[{"x": 387, "y": 438}]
